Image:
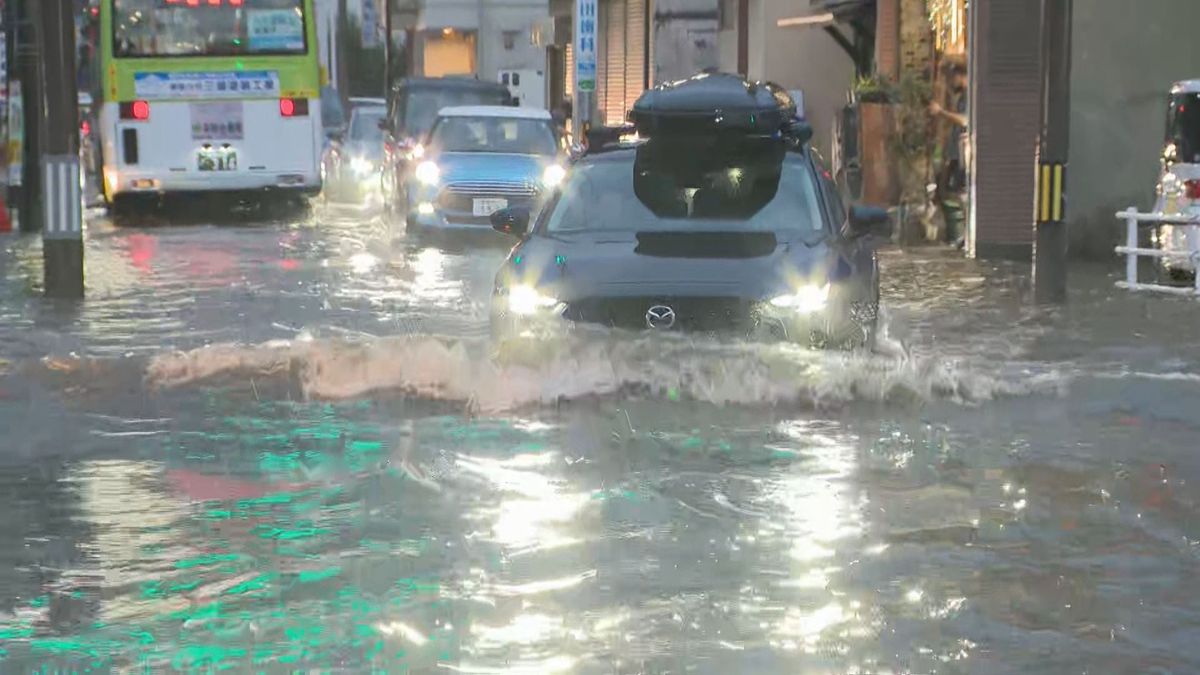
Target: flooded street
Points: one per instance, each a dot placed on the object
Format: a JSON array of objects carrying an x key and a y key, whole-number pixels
[{"x": 274, "y": 446}]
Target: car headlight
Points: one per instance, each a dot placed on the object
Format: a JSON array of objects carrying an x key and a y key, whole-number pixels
[
  {"x": 362, "y": 166},
  {"x": 553, "y": 175},
  {"x": 428, "y": 173},
  {"x": 807, "y": 299},
  {"x": 526, "y": 300}
]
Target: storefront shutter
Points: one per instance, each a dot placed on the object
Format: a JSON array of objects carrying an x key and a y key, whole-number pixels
[
  {"x": 614, "y": 57},
  {"x": 635, "y": 52}
]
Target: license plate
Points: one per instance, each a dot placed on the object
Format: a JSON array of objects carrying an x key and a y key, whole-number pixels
[
  {"x": 486, "y": 207},
  {"x": 217, "y": 160}
]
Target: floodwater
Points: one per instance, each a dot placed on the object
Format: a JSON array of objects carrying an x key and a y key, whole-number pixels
[{"x": 276, "y": 446}]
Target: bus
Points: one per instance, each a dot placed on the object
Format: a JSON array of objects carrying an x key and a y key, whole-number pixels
[{"x": 208, "y": 96}]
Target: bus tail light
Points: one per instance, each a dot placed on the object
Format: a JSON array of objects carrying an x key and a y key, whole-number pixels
[
  {"x": 135, "y": 110},
  {"x": 293, "y": 107}
]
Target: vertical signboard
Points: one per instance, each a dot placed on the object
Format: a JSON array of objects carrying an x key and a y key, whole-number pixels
[{"x": 585, "y": 45}]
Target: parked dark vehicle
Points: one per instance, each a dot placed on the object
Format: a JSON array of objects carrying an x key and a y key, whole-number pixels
[{"x": 412, "y": 109}]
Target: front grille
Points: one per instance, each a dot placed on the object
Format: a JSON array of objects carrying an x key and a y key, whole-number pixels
[
  {"x": 691, "y": 313},
  {"x": 494, "y": 188},
  {"x": 457, "y": 200}
]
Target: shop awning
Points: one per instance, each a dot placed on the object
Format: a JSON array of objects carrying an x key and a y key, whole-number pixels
[{"x": 859, "y": 15}]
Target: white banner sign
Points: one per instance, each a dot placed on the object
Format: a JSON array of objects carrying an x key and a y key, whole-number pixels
[
  {"x": 231, "y": 84},
  {"x": 585, "y": 45}
]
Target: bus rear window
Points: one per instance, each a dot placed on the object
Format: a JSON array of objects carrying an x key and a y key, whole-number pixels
[{"x": 155, "y": 28}]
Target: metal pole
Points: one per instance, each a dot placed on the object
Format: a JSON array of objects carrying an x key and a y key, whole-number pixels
[
  {"x": 11, "y": 17},
  {"x": 30, "y": 67},
  {"x": 1050, "y": 240},
  {"x": 743, "y": 38},
  {"x": 343, "y": 68},
  {"x": 388, "y": 49},
  {"x": 62, "y": 230},
  {"x": 1131, "y": 242}
]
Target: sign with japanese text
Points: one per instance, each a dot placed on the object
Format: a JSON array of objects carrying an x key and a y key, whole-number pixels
[
  {"x": 585, "y": 45},
  {"x": 217, "y": 121},
  {"x": 275, "y": 30},
  {"x": 231, "y": 84}
]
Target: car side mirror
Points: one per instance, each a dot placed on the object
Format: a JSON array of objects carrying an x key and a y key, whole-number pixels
[
  {"x": 865, "y": 220},
  {"x": 513, "y": 220},
  {"x": 802, "y": 131}
]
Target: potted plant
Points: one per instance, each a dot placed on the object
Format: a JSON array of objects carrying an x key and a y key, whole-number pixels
[{"x": 874, "y": 97}]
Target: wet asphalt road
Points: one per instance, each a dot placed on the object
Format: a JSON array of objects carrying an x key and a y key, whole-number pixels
[{"x": 279, "y": 445}]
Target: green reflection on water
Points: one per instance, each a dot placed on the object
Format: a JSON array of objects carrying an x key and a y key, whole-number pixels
[
  {"x": 201, "y": 561},
  {"x": 302, "y": 576},
  {"x": 313, "y": 576}
]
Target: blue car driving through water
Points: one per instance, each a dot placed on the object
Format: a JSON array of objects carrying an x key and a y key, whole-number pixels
[
  {"x": 477, "y": 160},
  {"x": 729, "y": 232}
]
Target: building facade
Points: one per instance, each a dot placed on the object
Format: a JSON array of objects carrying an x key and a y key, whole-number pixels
[
  {"x": 785, "y": 44},
  {"x": 642, "y": 43}
]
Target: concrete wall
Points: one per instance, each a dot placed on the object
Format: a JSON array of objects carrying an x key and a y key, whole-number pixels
[
  {"x": 1124, "y": 61},
  {"x": 685, "y": 38},
  {"x": 796, "y": 58}
]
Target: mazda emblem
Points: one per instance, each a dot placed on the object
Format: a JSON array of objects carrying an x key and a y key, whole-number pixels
[{"x": 660, "y": 317}]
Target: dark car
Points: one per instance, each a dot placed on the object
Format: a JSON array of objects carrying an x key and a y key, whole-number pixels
[
  {"x": 796, "y": 268},
  {"x": 731, "y": 232},
  {"x": 413, "y": 108}
]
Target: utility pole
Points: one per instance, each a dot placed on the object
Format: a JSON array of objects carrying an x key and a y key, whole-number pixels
[
  {"x": 743, "y": 38},
  {"x": 343, "y": 68},
  {"x": 29, "y": 69},
  {"x": 388, "y": 50},
  {"x": 1050, "y": 229},
  {"x": 62, "y": 201}
]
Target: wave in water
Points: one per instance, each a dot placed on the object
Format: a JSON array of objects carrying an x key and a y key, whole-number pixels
[{"x": 547, "y": 371}]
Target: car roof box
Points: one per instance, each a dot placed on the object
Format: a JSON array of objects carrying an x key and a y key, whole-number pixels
[{"x": 713, "y": 102}]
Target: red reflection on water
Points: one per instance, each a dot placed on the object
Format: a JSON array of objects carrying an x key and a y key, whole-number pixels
[
  {"x": 213, "y": 265},
  {"x": 202, "y": 487},
  {"x": 289, "y": 264},
  {"x": 142, "y": 249}
]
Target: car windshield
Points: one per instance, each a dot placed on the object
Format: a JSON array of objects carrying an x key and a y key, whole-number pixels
[
  {"x": 152, "y": 28},
  {"x": 364, "y": 125},
  {"x": 494, "y": 134},
  {"x": 1183, "y": 127},
  {"x": 647, "y": 200},
  {"x": 423, "y": 104}
]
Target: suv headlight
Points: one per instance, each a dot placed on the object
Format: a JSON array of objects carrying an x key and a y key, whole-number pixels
[
  {"x": 428, "y": 173},
  {"x": 526, "y": 300},
  {"x": 807, "y": 299},
  {"x": 362, "y": 166},
  {"x": 553, "y": 175}
]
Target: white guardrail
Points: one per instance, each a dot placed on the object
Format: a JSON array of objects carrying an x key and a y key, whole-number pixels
[{"x": 1130, "y": 250}]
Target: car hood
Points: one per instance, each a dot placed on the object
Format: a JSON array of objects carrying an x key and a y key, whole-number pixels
[
  {"x": 491, "y": 166},
  {"x": 746, "y": 265}
]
